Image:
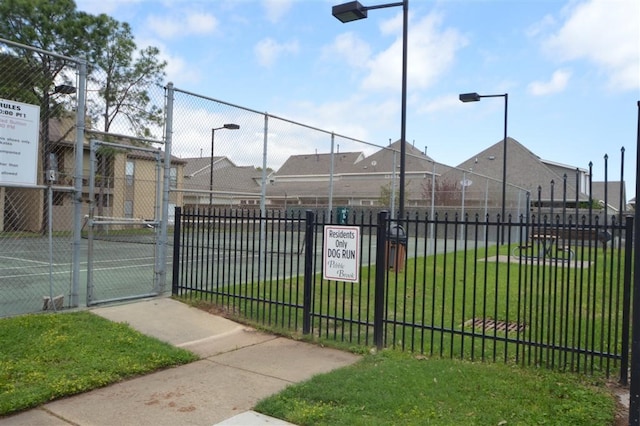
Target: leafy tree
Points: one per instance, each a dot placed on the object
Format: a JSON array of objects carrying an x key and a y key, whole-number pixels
[
  {"x": 57, "y": 26},
  {"x": 18, "y": 79},
  {"x": 124, "y": 80},
  {"x": 50, "y": 25}
]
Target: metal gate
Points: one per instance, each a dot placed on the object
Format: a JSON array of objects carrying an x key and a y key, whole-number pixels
[{"x": 124, "y": 227}]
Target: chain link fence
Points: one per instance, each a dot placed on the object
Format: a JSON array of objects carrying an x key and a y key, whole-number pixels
[
  {"x": 92, "y": 221},
  {"x": 126, "y": 156},
  {"x": 236, "y": 157},
  {"x": 39, "y": 101}
]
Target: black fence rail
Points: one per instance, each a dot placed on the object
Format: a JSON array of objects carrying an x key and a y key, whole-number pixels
[{"x": 555, "y": 294}]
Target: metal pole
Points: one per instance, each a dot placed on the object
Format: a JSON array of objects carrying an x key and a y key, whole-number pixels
[
  {"x": 379, "y": 298},
  {"x": 213, "y": 132},
  {"x": 166, "y": 186},
  {"x": 403, "y": 113},
  {"x": 263, "y": 193},
  {"x": 50, "y": 237},
  {"x": 393, "y": 187},
  {"x": 486, "y": 210},
  {"x": 77, "y": 183},
  {"x": 331, "y": 172},
  {"x": 464, "y": 185},
  {"x": 46, "y": 166},
  {"x": 504, "y": 165},
  {"x": 433, "y": 205},
  {"x": 634, "y": 387},
  {"x": 307, "y": 298}
]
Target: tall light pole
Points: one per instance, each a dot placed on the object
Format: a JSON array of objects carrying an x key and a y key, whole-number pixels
[
  {"x": 229, "y": 126},
  {"x": 352, "y": 11},
  {"x": 474, "y": 97}
]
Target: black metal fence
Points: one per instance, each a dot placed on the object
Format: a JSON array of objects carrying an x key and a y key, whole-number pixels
[{"x": 556, "y": 293}]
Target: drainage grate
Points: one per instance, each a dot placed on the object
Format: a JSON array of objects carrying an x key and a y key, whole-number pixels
[{"x": 491, "y": 324}]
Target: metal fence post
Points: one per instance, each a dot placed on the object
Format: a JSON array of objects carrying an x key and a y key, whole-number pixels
[
  {"x": 77, "y": 182},
  {"x": 634, "y": 391},
  {"x": 161, "y": 260},
  {"x": 626, "y": 307},
  {"x": 308, "y": 271},
  {"x": 176, "y": 251},
  {"x": 381, "y": 244}
]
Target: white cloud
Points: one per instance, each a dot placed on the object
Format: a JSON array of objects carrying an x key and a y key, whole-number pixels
[
  {"x": 605, "y": 33},
  {"x": 541, "y": 27},
  {"x": 268, "y": 50},
  {"x": 430, "y": 52},
  {"x": 193, "y": 23},
  {"x": 349, "y": 48},
  {"x": 558, "y": 83},
  {"x": 276, "y": 9},
  {"x": 177, "y": 69},
  {"x": 442, "y": 103}
]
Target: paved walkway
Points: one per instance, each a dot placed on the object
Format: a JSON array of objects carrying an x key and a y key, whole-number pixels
[{"x": 239, "y": 366}]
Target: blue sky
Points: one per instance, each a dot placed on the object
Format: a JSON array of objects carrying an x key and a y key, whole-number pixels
[{"x": 571, "y": 69}]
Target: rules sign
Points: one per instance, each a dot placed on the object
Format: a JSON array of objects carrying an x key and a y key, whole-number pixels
[
  {"x": 18, "y": 142},
  {"x": 341, "y": 253}
]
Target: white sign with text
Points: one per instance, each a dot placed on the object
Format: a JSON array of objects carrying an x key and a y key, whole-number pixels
[
  {"x": 341, "y": 253},
  {"x": 19, "y": 125}
]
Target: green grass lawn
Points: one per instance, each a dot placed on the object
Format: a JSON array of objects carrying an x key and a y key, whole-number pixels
[
  {"x": 49, "y": 356},
  {"x": 441, "y": 305},
  {"x": 390, "y": 388}
]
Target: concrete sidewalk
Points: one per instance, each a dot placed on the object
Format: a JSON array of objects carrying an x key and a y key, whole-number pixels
[{"x": 239, "y": 366}]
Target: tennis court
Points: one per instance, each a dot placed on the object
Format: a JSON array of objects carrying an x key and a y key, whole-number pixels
[{"x": 27, "y": 276}]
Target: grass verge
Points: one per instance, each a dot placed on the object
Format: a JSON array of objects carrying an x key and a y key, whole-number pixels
[
  {"x": 396, "y": 388},
  {"x": 49, "y": 356}
]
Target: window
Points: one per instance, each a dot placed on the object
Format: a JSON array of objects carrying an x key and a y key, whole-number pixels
[
  {"x": 128, "y": 208},
  {"x": 129, "y": 172},
  {"x": 173, "y": 178}
]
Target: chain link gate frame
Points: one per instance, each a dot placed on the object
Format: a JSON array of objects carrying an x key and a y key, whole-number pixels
[{"x": 125, "y": 240}]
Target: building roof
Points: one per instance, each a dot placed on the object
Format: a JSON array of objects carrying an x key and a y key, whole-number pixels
[
  {"x": 355, "y": 176},
  {"x": 612, "y": 196},
  {"x": 227, "y": 177},
  {"x": 319, "y": 164},
  {"x": 525, "y": 170},
  {"x": 62, "y": 133}
]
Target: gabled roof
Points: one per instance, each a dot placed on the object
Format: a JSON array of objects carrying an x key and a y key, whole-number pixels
[
  {"x": 613, "y": 193},
  {"x": 200, "y": 165},
  {"x": 227, "y": 177},
  {"x": 355, "y": 162},
  {"x": 382, "y": 160},
  {"x": 355, "y": 176},
  {"x": 524, "y": 169},
  {"x": 319, "y": 164}
]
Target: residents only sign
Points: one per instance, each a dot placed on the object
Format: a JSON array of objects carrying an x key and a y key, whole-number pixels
[
  {"x": 19, "y": 142},
  {"x": 341, "y": 253}
]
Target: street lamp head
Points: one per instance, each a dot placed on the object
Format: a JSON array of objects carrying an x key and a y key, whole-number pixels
[
  {"x": 469, "y": 97},
  {"x": 350, "y": 11},
  {"x": 64, "y": 89},
  {"x": 231, "y": 126}
]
